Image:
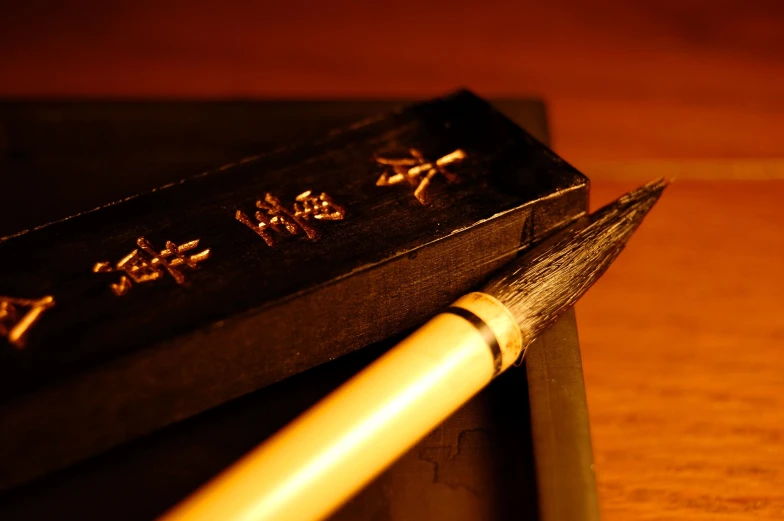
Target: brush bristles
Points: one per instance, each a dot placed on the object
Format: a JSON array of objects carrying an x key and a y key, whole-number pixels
[{"x": 544, "y": 283}]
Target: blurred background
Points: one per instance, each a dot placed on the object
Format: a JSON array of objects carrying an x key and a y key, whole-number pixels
[
  {"x": 683, "y": 340},
  {"x": 623, "y": 80}
]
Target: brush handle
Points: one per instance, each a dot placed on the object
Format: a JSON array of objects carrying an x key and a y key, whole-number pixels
[{"x": 320, "y": 460}]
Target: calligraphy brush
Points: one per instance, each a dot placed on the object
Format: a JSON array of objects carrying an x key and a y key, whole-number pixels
[{"x": 325, "y": 456}]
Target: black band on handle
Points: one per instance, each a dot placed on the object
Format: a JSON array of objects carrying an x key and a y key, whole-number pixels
[{"x": 485, "y": 331}]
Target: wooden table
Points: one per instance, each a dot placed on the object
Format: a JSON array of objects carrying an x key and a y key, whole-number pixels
[
  {"x": 682, "y": 350},
  {"x": 683, "y": 340}
]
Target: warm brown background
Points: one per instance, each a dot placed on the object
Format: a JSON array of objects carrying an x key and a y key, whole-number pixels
[{"x": 683, "y": 340}]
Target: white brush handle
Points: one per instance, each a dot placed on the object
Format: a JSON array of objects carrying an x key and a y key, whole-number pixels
[{"x": 320, "y": 460}]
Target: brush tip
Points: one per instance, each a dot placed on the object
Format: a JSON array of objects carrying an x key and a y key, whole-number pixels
[
  {"x": 630, "y": 208},
  {"x": 646, "y": 195},
  {"x": 544, "y": 283},
  {"x": 651, "y": 190}
]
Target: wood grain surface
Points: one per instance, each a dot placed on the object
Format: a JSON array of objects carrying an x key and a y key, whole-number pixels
[
  {"x": 682, "y": 340},
  {"x": 682, "y": 344}
]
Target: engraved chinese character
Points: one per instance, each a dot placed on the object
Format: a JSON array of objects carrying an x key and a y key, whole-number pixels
[
  {"x": 144, "y": 264},
  {"x": 320, "y": 207},
  {"x": 418, "y": 171},
  {"x": 271, "y": 216},
  {"x": 18, "y": 315}
]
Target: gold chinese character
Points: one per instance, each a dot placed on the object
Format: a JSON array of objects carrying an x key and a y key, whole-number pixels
[
  {"x": 272, "y": 216},
  {"x": 418, "y": 171},
  {"x": 145, "y": 264},
  {"x": 18, "y": 315},
  {"x": 320, "y": 207}
]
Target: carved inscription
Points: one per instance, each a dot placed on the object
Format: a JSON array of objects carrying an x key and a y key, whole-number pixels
[
  {"x": 418, "y": 171},
  {"x": 145, "y": 264},
  {"x": 18, "y": 315},
  {"x": 273, "y": 219}
]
